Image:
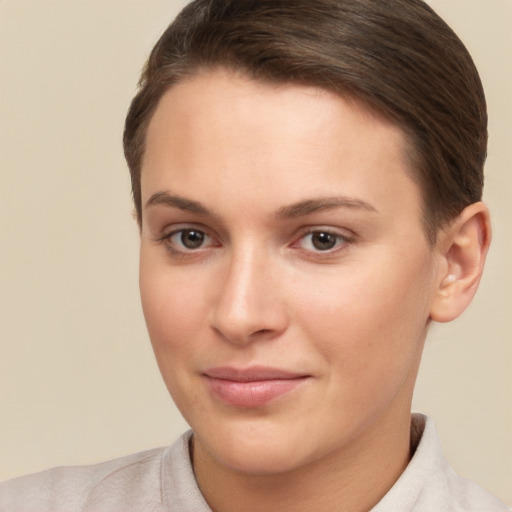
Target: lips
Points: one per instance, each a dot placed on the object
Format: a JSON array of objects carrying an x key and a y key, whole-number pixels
[{"x": 251, "y": 387}]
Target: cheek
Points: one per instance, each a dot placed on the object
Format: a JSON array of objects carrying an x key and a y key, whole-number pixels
[
  {"x": 171, "y": 304},
  {"x": 174, "y": 316},
  {"x": 370, "y": 321}
]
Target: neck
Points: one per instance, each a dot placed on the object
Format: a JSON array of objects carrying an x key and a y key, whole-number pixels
[{"x": 353, "y": 479}]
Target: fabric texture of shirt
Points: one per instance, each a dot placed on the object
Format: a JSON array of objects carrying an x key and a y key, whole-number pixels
[{"x": 162, "y": 480}]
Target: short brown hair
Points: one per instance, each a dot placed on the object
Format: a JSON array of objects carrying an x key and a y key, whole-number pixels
[{"x": 398, "y": 57}]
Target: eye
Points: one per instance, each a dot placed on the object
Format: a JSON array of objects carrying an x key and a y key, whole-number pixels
[
  {"x": 188, "y": 240},
  {"x": 322, "y": 240}
]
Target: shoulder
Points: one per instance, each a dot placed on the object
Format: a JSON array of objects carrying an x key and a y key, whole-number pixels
[
  {"x": 150, "y": 481},
  {"x": 470, "y": 497},
  {"x": 429, "y": 483},
  {"x": 96, "y": 487}
]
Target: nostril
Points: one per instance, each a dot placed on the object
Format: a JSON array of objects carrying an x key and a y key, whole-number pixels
[{"x": 262, "y": 334}]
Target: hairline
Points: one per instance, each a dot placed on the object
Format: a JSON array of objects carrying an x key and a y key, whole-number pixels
[{"x": 409, "y": 148}]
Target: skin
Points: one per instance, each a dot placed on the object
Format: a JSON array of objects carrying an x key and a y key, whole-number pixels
[{"x": 264, "y": 172}]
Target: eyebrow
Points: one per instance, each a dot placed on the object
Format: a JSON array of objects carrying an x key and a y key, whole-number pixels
[
  {"x": 309, "y": 206},
  {"x": 299, "y": 209},
  {"x": 165, "y": 199}
]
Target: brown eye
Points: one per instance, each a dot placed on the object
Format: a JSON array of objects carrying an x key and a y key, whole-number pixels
[
  {"x": 188, "y": 240},
  {"x": 191, "y": 238},
  {"x": 324, "y": 241}
]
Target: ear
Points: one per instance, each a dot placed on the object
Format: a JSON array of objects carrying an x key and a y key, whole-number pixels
[{"x": 461, "y": 248}]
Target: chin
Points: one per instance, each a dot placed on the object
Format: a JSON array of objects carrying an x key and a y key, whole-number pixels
[
  {"x": 259, "y": 460},
  {"x": 259, "y": 448}
]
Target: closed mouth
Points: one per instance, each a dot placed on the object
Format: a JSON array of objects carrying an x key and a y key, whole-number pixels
[{"x": 252, "y": 387}]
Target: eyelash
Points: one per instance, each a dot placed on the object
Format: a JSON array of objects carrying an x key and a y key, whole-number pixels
[
  {"x": 340, "y": 241},
  {"x": 167, "y": 239}
]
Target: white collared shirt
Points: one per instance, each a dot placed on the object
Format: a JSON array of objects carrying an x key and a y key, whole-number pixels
[{"x": 162, "y": 480}]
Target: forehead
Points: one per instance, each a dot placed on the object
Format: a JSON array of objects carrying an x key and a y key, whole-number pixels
[
  {"x": 220, "y": 93},
  {"x": 225, "y": 133}
]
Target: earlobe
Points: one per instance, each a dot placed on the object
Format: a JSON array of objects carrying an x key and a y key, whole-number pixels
[{"x": 462, "y": 248}]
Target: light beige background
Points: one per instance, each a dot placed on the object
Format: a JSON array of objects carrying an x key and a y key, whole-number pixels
[{"x": 78, "y": 383}]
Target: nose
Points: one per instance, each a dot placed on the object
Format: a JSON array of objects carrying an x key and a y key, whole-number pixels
[{"x": 248, "y": 305}]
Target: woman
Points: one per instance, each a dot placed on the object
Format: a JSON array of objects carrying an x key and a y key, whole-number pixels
[{"x": 307, "y": 178}]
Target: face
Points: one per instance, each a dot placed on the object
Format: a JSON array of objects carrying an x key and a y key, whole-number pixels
[{"x": 286, "y": 279}]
